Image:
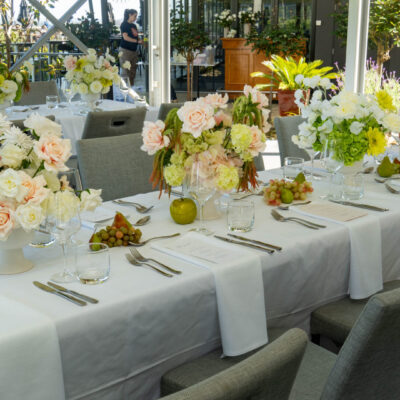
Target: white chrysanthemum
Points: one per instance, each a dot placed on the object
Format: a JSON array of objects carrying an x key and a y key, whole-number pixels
[
  {"x": 96, "y": 87},
  {"x": 15, "y": 136},
  {"x": 9, "y": 86},
  {"x": 5, "y": 124},
  {"x": 90, "y": 200},
  {"x": 11, "y": 156}
]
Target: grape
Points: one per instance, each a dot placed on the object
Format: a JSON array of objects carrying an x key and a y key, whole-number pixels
[{"x": 272, "y": 194}]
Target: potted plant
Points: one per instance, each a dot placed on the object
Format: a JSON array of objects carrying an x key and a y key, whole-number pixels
[
  {"x": 291, "y": 75},
  {"x": 247, "y": 18},
  {"x": 225, "y": 19}
]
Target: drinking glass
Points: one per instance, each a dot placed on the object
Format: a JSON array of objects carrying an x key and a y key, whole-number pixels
[
  {"x": 92, "y": 263},
  {"x": 353, "y": 187},
  {"x": 292, "y": 167},
  {"x": 312, "y": 153},
  {"x": 240, "y": 215},
  {"x": 201, "y": 187},
  {"x": 331, "y": 158},
  {"x": 52, "y": 101},
  {"x": 124, "y": 86},
  {"x": 66, "y": 88}
]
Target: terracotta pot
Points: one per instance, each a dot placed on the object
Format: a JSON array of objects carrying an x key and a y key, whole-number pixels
[{"x": 287, "y": 106}]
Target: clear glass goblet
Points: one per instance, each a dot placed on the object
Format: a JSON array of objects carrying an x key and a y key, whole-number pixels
[
  {"x": 331, "y": 158},
  {"x": 66, "y": 88},
  {"x": 124, "y": 86}
]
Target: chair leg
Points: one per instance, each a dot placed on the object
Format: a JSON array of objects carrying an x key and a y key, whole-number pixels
[{"x": 316, "y": 339}]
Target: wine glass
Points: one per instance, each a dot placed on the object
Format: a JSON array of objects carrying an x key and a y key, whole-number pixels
[
  {"x": 66, "y": 88},
  {"x": 201, "y": 185},
  {"x": 312, "y": 154},
  {"x": 331, "y": 158},
  {"x": 124, "y": 86}
]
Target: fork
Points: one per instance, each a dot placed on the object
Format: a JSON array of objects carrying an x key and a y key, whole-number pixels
[
  {"x": 135, "y": 262},
  {"x": 135, "y": 253},
  {"x": 139, "y": 207},
  {"x": 260, "y": 193},
  {"x": 148, "y": 240},
  {"x": 304, "y": 222}
]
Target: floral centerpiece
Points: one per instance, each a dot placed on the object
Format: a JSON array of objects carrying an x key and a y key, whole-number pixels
[
  {"x": 247, "y": 16},
  {"x": 91, "y": 74},
  {"x": 225, "y": 19},
  {"x": 357, "y": 122},
  {"x": 12, "y": 84},
  {"x": 204, "y": 130},
  {"x": 30, "y": 163}
]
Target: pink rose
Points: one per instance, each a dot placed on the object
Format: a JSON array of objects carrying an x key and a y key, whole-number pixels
[
  {"x": 196, "y": 117},
  {"x": 226, "y": 119},
  {"x": 256, "y": 96},
  {"x": 70, "y": 62},
  {"x": 258, "y": 141},
  {"x": 215, "y": 100},
  {"x": 153, "y": 138},
  {"x": 37, "y": 192},
  {"x": 54, "y": 151},
  {"x": 7, "y": 220}
]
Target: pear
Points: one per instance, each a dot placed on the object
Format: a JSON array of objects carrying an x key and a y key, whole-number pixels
[
  {"x": 300, "y": 178},
  {"x": 386, "y": 169}
]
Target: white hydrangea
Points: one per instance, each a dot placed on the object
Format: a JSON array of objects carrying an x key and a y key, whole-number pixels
[{"x": 356, "y": 127}]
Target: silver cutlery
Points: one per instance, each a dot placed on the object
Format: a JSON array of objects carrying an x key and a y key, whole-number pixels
[
  {"x": 153, "y": 238},
  {"x": 383, "y": 180},
  {"x": 60, "y": 294},
  {"x": 142, "y": 221},
  {"x": 272, "y": 246},
  {"x": 391, "y": 190},
  {"x": 367, "y": 170},
  {"x": 285, "y": 208},
  {"x": 135, "y": 262},
  {"x": 252, "y": 246},
  {"x": 359, "y": 205},
  {"x": 135, "y": 253},
  {"x": 260, "y": 193},
  {"x": 301, "y": 221},
  {"x": 80, "y": 295},
  {"x": 139, "y": 207}
]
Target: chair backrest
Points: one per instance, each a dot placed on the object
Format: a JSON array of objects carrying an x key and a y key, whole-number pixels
[
  {"x": 165, "y": 108},
  {"x": 368, "y": 364},
  {"x": 268, "y": 374},
  {"x": 38, "y": 92},
  {"x": 259, "y": 162},
  {"x": 19, "y": 123},
  {"x": 115, "y": 164},
  {"x": 285, "y": 128},
  {"x": 114, "y": 123}
]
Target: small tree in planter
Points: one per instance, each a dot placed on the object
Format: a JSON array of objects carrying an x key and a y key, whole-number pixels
[{"x": 187, "y": 38}]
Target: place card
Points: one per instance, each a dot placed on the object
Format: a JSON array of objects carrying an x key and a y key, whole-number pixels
[{"x": 330, "y": 211}]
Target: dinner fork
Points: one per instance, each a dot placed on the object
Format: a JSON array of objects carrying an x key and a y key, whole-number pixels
[
  {"x": 140, "y": 244},
  {"x": 135, "y": 253},
  {"x": 139, "y": 207},
  {"x": 135, "y": 262},
  {"x": 301, "y": 221}
]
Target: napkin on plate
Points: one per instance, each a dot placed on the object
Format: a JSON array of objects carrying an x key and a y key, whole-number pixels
[
  {"x": 239, "y": 288},
  {"x": 365, "y": 244},
  {"x": 90, "y": 218}
]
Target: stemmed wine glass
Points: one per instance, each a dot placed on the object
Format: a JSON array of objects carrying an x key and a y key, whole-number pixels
[
  {"x": 312, "y": 154},
  {"x": 124, "y": 86},
  {"x": 331, "y": 158},
  {"x": 201, "y": 185},
  {"x": 67, "y": 90}
]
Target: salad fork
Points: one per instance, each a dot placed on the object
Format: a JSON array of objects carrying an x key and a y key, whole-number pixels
[
  {"x": 135, "y": 253},
  {"x": 139, "y": 207},
  {"x": 138, "y": 263},
  {"x": 304, "y": 222},
  {"x": 153, "y": 238}
]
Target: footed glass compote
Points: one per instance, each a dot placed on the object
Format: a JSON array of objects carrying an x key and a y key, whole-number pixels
[{"x": 331, "y": 161}]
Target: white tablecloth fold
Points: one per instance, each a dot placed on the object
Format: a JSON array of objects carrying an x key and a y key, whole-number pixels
[
  {"x": 239, "y": 288},
  {"x": 30, "y": 354},
  {"x": 365, "y": 277}
]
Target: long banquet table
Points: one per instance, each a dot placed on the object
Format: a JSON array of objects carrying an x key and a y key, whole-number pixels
[{"x": 146, "y": 324}]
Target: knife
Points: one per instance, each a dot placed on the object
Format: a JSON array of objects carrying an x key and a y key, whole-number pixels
[
  {"x": 253, "y": 246},
  {"x": 58, "y": 293},
  {"x": 359, "y": 205},
  {"x": 255, "y": 241},
  {"x": 82, "y": 296}
]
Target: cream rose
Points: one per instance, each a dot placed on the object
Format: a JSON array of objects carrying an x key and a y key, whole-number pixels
[
  {"x": 215, "y": 100},
  {"x": 95, "y": 87},
  {"x": 256, "y": 96},
  {"x": 153, "y": 138},
  {"x": 54, "y": 151},
  {"x": 70, "y": 62},
  {"x": 9, "y": 87},
  {"x": 37, "y": 192},
  {"x": 42, "y": 125},
  {"x": 11, "y": 156},
  {"x": 63, "y": 205},
  {"x": 11, "y": 185},
  {"x": 29, "y": 216},
  {"x": 7, "y": 220},
  {"x": 258, "y": 141},
  {"x": 90, "y": 199},
  {"x": 196, "y": 117},
  {"x": 226, "y": 119}
]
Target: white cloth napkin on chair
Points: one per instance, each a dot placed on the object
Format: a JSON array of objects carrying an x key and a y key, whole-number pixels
[{"x": 239, "y": 288}]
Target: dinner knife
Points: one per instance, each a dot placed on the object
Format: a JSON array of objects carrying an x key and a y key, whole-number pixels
[
  {"x": 272, "y": 246},
  {"x": 253, "y": 246},
  {"x": 82, "y": 296},
  {"x": 359, "y": 205},
  {"x": 58, "y": 293}
]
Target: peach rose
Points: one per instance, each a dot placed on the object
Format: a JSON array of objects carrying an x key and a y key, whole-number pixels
[
  {"x": 215, "y": 100},
  {"x": 54, "y": 151},
  {"x": 37, "y": 192},
  {"x": 197, "y": 116},
  {"x": 7, "y": 220},
  {"x": 258, "y": 141},
  {"x": 70, "y": 62},
  {"x": 153, "y": 138},
  {"x": 226, "y": 119},
  {"x": 256, "y": 96}
]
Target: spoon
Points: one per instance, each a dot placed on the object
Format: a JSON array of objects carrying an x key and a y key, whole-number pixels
[
  {"x": 142, "y": 221},
  {"x": 368, "y": 170},
  {"x": 391, "y": 190},
  {"x": 295, "y": 204},
  {"x": 383, "y": 180}
]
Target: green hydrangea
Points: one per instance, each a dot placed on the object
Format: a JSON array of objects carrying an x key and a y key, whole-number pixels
[
  {"x": 241, "y": 137},
  {"x": 174, "y": 174},
  {"x": 227, "y": 178}
]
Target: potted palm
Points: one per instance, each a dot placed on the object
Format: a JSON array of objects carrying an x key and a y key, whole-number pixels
[{"x": 291, "y": 75}]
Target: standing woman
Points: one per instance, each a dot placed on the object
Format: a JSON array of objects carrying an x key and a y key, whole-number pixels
[{"x": 129, "y": 42}]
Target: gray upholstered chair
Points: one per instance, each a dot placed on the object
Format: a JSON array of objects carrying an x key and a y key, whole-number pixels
[
  {"x": 38, "y": 92},
  {"x": 115, "y": 164},
  {"x": 114, "y": 123},
  {"x": 368, "y": 364},
  {"x": 285, "y": 128},
  {"x": 19, "y": 123},
  {"x": 165, "y": 108},
  {"x": 335, "y": 320},
  {"x": 268, "y": 374}
]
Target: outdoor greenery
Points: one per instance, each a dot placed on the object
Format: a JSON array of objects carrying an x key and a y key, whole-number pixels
[{"x": 384, "y": 26}]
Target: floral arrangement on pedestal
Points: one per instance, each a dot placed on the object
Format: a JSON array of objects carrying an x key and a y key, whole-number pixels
[
  {"x": 12, "y": 84},
  {"x": 30, "y": 162},
  {"x": 225, "y": 18},
  {"x": 247, "y": 16},
  {"x": 357, "y": 122},
  {"x": 203, "y": 129},
  {"x": 91, "y": 74}
]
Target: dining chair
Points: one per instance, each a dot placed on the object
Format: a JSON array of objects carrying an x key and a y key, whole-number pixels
[
  {"x": 114, "y": 123},
  {"x": 268, "y": 374},
  {"x": 19, "y": 123},
  {"x": 285, "y": 128},
  {"x": 38, "y": 92},
  {"x": 336, "y": 319},
  {"x": 165, "y": 108},
  {"x": 115, "y": 164}
]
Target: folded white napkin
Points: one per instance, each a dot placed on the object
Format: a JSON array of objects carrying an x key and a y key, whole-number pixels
[
  {"x": 365, "y": 241},
  {"x": 239, "y": 288},
  {"x": 90, "y": 218},
  {"x": 30, "y": 366}
]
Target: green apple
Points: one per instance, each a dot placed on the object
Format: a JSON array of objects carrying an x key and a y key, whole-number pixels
[{"x": 183, "y": 211}]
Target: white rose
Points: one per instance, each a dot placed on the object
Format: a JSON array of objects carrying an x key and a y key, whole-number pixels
[
  {"x": 9, "y": 87},
  {"x": 96, "y": 87},
  {"x": 29, "y": 216},
  {"x": 107, "y": 74},
  {"x": 11, "y": 185},
  {"x": 89, "y": 68},
  {"x": 42, "y": 125},
  {"x": 90, "y": 200},
  {"x": 392, "y": 122},
  {"x": 91, "y": 58},
  {"x": 11, "y": 156},
  {"x": 63, "y": 205},
  {"x": 82, "y": 88},
  {"x": 356, "y": 127}
]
